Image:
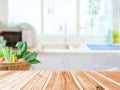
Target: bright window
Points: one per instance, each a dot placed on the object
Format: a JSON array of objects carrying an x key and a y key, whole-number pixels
[
  {"x": 63, "y": 17},
  {"x": 60, "y": 17},
  {"x": 95, "y": 16}
]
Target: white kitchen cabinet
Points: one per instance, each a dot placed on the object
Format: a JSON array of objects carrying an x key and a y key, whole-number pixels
[
  {"x": 64, "y": 62},
  {"x": 50, "y": 62},
  {"x": 78, "y": 61},
  {"x": 100, "y": 61},
  {"x": 106, "y": 61},
  {"x": 114, "y": 62},
  {"x": 82, "y": 61}
]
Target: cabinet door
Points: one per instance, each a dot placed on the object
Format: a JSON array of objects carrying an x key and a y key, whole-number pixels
[
  {"x": 59, "y": 17},
  {"x": 81, "y": 61},
  {"x": 106, "y": 61},
  {"x": 50, "y": 62},
  {"x": 114, "y": 61},
  {"x": 100, "y": 61}
]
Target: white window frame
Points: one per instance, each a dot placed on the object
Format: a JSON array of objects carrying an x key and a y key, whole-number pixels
[{"x": 78, "y": 39}]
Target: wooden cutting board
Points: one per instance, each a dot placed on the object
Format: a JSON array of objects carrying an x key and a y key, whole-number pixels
[{"x": 59, "y": 80}]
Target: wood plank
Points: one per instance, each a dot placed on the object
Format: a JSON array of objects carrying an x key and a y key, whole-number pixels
[
  {"x": 50, "y": 83},
  {"x": 55, "y": 82},
  {"x": 19, "y": 80},
  {"x": 86, "y": 82},
  {"x": 62, "y": 81},
  {"x": 69, "y": 81},
  {"x": 111, "y": 75},
  {"x": 4, "y": 74},
  {"x": 105, "y": 83},
  {"x": 24, "y": 80},
  {"x": 37, "y": 82},
  {"x": 9, "y": 79},
  {"x": 112, "y": 72},
  {"x": 117, "y": 72},
  {"x": 59, "y": 80}
]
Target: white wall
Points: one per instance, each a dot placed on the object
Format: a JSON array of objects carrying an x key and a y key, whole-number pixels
[{"x": 4, "y": 11}]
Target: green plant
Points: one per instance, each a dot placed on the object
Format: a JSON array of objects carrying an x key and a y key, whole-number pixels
[
  {"x": 94, "y": 7},
  {"x": 20, "y": 55},
  {"x": 116, "y": 36},
  {"x": 93, "y": 11}
]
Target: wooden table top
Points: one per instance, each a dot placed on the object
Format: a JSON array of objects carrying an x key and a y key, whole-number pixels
[{"x": 60, "y": 80}]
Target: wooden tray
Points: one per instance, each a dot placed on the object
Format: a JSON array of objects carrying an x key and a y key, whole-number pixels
[{"x": 15, "y": 66}]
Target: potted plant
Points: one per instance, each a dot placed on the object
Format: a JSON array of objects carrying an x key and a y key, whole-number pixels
[
  {"x": 20, "y": 59},
  {"x": 116, "y": 36}
]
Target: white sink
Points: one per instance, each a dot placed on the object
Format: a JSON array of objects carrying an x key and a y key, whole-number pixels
[{"x": 80, "y": 47}]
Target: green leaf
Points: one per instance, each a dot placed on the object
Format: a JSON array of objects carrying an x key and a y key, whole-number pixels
[
  {"x": 1, "y": 53},
  {"x": 32, "y": 56},
  {"x": 19, "y": 47},
  {"x": 7, "y": 52},
  {"x": 115, "y": 34},
  {"x": 26, "y": 54},
  {"x": 35, "y": 61},
  {"x": 22, "y": 47},
  {"x": 23, "y": 53}
]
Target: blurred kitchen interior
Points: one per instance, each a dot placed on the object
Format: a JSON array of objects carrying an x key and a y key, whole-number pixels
[{"x": 62, "y": 29}]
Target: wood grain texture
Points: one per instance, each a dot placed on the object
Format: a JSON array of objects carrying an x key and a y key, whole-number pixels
[
  {"x": 113, "y": 76},
  {"x": 103, "y": 81},
  {"x": 37, "y": 82},
  {"x": 86, "y": 82},
  {"x": 59, "y": 80}
]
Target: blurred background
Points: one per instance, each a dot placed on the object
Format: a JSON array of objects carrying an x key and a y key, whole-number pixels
[
  {"x": 64, "y": 21},
  {"x": 64, "y": 26}
]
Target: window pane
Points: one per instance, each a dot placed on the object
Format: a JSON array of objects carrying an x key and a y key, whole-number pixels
[
  {"x": 25, "y": 11},
  {"x": 95, "y": 16},
  {"x": 59, "y": 17}
]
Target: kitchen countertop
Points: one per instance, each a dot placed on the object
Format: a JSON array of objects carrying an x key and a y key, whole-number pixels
[
  {"x": 90, "y": 48},
  {"x": 59, "y": 80},
  {"x": 72, "y": 51}
]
